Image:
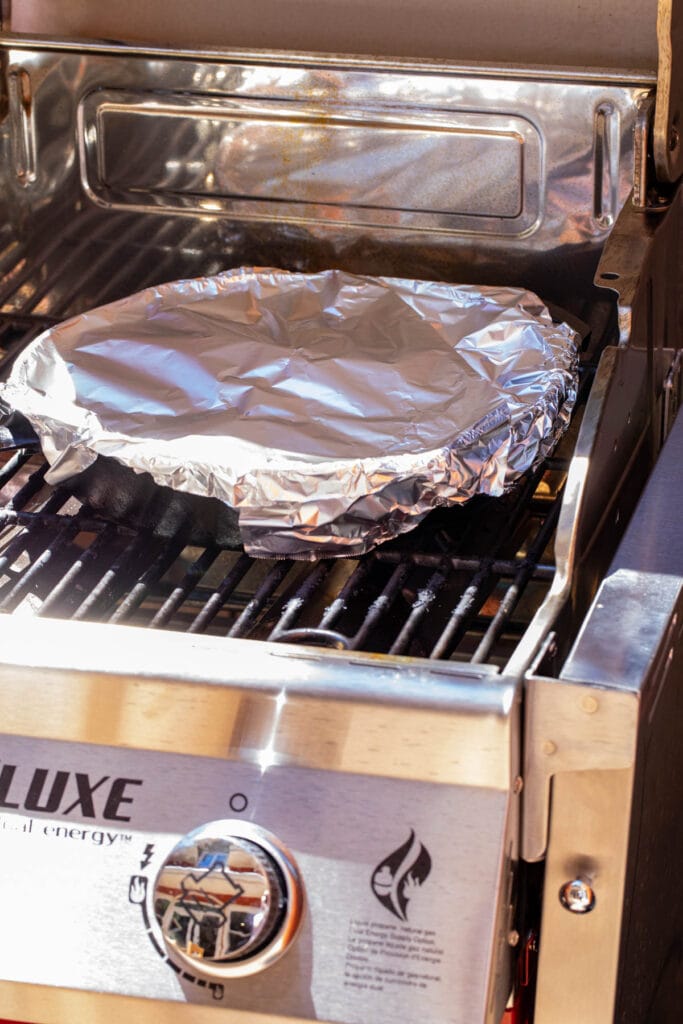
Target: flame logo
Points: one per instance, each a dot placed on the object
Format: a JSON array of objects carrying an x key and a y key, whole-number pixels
[{"x": 398, "y": 876}]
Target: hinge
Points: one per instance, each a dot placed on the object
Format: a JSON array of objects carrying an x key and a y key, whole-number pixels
[
  {"x": 668, "y": 120},
  {"x": 649, "y": 194}
]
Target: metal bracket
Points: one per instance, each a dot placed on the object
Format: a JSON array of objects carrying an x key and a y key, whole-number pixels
[
  {"x": 649, "y": 194},
  {"x": 668, "y": 145},
  {"x": 570, "y": 727}
]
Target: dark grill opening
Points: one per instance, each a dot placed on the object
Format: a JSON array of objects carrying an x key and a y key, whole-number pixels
[{"x": 463, "y": 586}]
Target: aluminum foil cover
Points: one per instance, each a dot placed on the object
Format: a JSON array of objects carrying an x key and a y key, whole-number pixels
[{"x": 332, "y": 411}]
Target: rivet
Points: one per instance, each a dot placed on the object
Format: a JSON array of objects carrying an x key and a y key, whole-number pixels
[
  {"x": 589, "y": 705},
  {"x": 518, "y": 785},
  {"x": 548, "y": 747},
  {"x": 513, "y": 938}
]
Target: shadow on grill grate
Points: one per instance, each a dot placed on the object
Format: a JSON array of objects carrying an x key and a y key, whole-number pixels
[
  {"x": 463, "y": 586},
  {"x": 430, "y": 594}
]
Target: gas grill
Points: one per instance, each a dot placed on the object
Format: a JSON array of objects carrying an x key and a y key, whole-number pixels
[{"x": 437, "y": 782}]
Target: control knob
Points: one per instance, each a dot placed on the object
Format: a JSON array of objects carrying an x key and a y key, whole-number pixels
[{"x": 228, "y": 899}]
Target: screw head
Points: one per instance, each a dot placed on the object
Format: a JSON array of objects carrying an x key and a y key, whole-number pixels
[{"x": 577, "y": 896}]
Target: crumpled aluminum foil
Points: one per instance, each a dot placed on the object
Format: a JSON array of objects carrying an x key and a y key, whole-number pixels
[{"x": 332, "y": 411}]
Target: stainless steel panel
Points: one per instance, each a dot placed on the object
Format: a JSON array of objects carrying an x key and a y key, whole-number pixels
[
  {"x": 650, "y": 978},
  {"x": 365, "y": 166},
  {"x": 579, "y": 953},
  {"x": 89, "y": 852},
  {"x": 638, "y": 598},
  {"x": 574, "y": 175},
  {"x": 118, "y": 685},
  {"x": 626, "y": 418},
  {"x": 604, "y": 739}
]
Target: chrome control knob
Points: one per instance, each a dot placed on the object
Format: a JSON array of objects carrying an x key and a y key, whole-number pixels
[{"x": 228, "y": 899}]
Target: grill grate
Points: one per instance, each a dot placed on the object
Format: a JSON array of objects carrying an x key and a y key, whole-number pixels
[
  {"x": 462, "y": 586},
  {"x": 428, "y": 594}
]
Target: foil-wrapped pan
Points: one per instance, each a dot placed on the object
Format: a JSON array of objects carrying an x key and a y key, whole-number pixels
[{"x": 332, "y": 411}]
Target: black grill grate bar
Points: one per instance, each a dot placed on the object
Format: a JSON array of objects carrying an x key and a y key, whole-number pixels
[
  {"x": 57, "y": 543},
  {"x": 180, "y": 593},
  {"x": 253, "y": 609},
  {"x": 11, "y": 255},
  {"x": 381, "y": 605},
  {"x": 471, "y": 599},
  {"x": 166, "y": 557},
  {"x": 500, "y": 566},
  {"x": 26, "y": 321},
  {"x": 103, "y": 595},
  {"x": 212, "y": 607},
  {"x": 425, "y": 597},
  {"x": 90, "y": 555},
  {"x": 17, "y": 345},
  {"x": 512, "y": 595},
  {"x": 29, "y": 490},
  {"x": 300, "y": 599},
  {"x": 86, "y": 521},
  {"x": 18, "y": 543},
  {"x": 557, "y": 463},
  {"x": 314, "y": 636},
  {"x": 14, "y": 465},
  {"x": 340, "y": 602}
]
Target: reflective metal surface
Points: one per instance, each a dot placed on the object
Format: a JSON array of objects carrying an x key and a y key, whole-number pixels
[
  {"x": 332, "y": 411},
  {"x": 622, "y": 432},
  {"x": 647, "y": 572},
  {"x": 589, "y": 828},
  {"x": 407, "y": 884},
  {"x": 209, "y": 696},
  {"x": 606, "y": 733},
  {"x": 228, "y": 900},
  {"x": 392, "y": 168},
  {"x": 552, "y": 184},
  {"x": 577, "y": 896},
  {"x": 367, "y": 737}
]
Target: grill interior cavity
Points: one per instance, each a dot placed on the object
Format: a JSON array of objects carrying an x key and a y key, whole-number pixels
[{"x": 463, "y": 586}]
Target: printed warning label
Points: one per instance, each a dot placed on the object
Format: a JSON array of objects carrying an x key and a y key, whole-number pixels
[{"x": 382, "y": 955}]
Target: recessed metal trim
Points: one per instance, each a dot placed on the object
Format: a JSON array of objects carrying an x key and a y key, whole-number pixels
[{"x": 312, "y": 163}]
